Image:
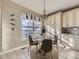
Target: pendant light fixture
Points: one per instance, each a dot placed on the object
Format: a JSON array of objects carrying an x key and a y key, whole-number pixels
[
  {"x": 44, "y": 18},
  {"x": 27, "y": 16},
  {"x": 44, "y": 13}
]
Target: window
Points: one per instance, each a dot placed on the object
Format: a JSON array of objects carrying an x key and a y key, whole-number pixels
[{"x": 30, "y": 26}]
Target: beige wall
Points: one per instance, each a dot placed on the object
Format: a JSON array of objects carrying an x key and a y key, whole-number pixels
[
  {"x": 11, "y": 39},
  {"x": 0, "y": 28}
]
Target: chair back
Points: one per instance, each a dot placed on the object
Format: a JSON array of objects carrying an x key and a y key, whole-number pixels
[
  {"x": 56, "y": 38},
  {"x": 46, "y": 45},
  {"x": 30, "y": 39}
]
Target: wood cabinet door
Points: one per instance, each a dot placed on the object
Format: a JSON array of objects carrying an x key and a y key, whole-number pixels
[
  {"x": 70, "y": 19},
  {"x": 77, "y": 17},
  {"x": 64, "y": 20}
]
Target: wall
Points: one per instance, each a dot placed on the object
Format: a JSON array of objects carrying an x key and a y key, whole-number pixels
[
  {"x": 0, "y": 28},
  {"x": 11, "y": 39}
]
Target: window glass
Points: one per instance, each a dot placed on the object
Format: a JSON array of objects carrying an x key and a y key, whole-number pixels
[{"x": 30, "y": 26}]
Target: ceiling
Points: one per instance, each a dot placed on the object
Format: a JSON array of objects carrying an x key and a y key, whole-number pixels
[{"x": 51, "y": 5}]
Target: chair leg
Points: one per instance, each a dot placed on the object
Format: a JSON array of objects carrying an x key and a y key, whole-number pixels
[
  {"x": 29, "y": 49},
  {"x": 36, "y": 50},
  {"x": 51, "y": 55},
  {"x": 57, "y": 48}
]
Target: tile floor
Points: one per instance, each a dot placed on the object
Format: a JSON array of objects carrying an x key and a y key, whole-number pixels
[{"x": 23, "y": 54}]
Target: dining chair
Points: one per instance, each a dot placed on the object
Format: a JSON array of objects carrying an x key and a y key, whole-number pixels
[
  {"x": 55, "y": 42},
  {"x": 31, "y": 42},
  {"x": 46, "y": 47}
]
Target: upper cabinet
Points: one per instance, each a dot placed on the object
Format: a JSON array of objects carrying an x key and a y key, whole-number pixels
[
  {"x": 71, "y": 18},
  {"x": 54, "y": 19},
  {"x": 58, "y": 19},
  {"x": 47, "y": 21},
  {"x": 77, "y": 17},
  {"x": 65, "y": 20}
]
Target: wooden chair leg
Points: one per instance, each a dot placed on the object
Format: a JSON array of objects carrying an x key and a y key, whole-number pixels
[
  {"x": 57, "y": 48},
  {"x": 36, "y": 48},
  {"x": 51, "y": 55},
  {"x": 36, "y": 51},
  {"x": 29, "y": 49}
]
